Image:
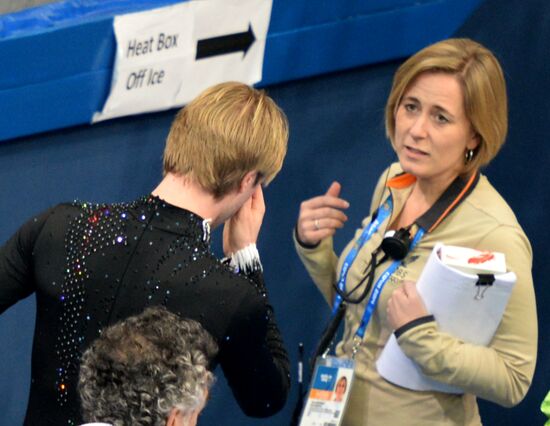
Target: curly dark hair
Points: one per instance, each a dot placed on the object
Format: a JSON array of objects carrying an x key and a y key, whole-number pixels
[{"x": 141, "y": 368}]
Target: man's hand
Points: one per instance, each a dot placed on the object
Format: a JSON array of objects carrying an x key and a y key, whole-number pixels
[
  {"x": 243, "y": 227},
  {"x": 405, "y": 305},
  {"x": 321, "y": 216}
]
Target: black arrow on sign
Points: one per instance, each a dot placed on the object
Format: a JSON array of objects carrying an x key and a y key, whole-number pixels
[{"x": 225, "y": 44}]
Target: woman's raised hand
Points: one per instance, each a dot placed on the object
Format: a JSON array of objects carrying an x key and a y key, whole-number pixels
[{"x": 321, "y": 216}]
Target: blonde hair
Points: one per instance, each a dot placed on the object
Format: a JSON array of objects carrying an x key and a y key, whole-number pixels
[
  {"x": 483, "y": 87},
  {"x": 229, "y": 130}
]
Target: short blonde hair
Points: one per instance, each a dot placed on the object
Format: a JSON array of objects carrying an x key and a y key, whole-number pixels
[
  {"x": 483, "y": 87},
  {"x": 229, "y": 130}
]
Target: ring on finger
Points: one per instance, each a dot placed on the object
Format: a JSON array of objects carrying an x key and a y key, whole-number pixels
[{"x": 316, "y": 223}]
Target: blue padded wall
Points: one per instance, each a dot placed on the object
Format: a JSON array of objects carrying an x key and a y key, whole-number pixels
[
  {"x": 519, "y": 33},
  {"x": 58, "y": 58}
]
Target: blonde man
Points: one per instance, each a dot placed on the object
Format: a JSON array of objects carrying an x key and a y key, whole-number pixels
[{"x": 93, "y": 264}]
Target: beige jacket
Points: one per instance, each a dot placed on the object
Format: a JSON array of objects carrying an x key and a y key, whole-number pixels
[{"x": 501, "y": 372}]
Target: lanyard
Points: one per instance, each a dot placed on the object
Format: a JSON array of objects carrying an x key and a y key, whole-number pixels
[
  {"x": 458, "y": 190},
  {"x": 377, "y": 290},
  {"x": 382, "y": 214}
]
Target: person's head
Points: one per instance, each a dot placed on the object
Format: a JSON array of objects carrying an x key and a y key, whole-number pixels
[
  {"x": 226, "y": 132},
  {"x": 341, "y": 386},
  {"x": 482, "y": 86},
  {"x": 150, "y": 369}
]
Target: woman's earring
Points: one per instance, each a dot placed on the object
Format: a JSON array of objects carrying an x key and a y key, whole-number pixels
[{"x": 469, "y": 155}]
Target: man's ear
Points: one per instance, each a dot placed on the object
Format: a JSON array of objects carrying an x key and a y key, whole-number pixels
[
  {"x": 172, "y": 419},
  {"x": 249, "y": 181}
]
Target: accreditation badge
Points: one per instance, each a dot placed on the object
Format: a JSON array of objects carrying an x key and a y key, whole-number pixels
[{"x": 329, "y": 392}]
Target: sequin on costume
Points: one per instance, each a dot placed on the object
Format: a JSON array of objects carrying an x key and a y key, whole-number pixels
[{"x": 97, "y": 227}]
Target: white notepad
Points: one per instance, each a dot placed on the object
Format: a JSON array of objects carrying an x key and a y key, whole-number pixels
[{"x": 460, "y": 307}]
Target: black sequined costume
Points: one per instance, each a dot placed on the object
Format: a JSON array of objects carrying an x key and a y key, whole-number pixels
[{"x": 92, "y": 265}]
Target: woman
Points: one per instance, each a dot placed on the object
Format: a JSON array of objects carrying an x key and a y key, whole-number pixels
[{"x": 446, "y": 117}]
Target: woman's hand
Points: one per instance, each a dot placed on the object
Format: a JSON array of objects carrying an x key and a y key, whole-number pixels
[
  {"x": 405, "y": 305},
  {"x": 243, "y": 227},
  {"x": 321, "y": 216}
]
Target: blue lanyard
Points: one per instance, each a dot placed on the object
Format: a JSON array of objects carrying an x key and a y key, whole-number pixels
[
  {"x": 375, "y": 295},
  {"x": 383, "y": 213}
]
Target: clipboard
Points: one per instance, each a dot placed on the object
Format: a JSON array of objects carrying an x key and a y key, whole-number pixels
[{"x": 465, "y": 305}]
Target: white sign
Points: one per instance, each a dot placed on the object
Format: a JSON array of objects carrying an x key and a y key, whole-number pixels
[{"x": 166, "y": 56}]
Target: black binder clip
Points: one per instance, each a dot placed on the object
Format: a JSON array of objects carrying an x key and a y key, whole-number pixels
[{"x": 483, "y": 283}]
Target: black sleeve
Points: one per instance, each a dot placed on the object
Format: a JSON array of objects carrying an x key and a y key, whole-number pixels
[
  {"x": 16, "y": 270},
  {"x": 253, "y": 357},
  {"x": 414, "y": 323}
]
